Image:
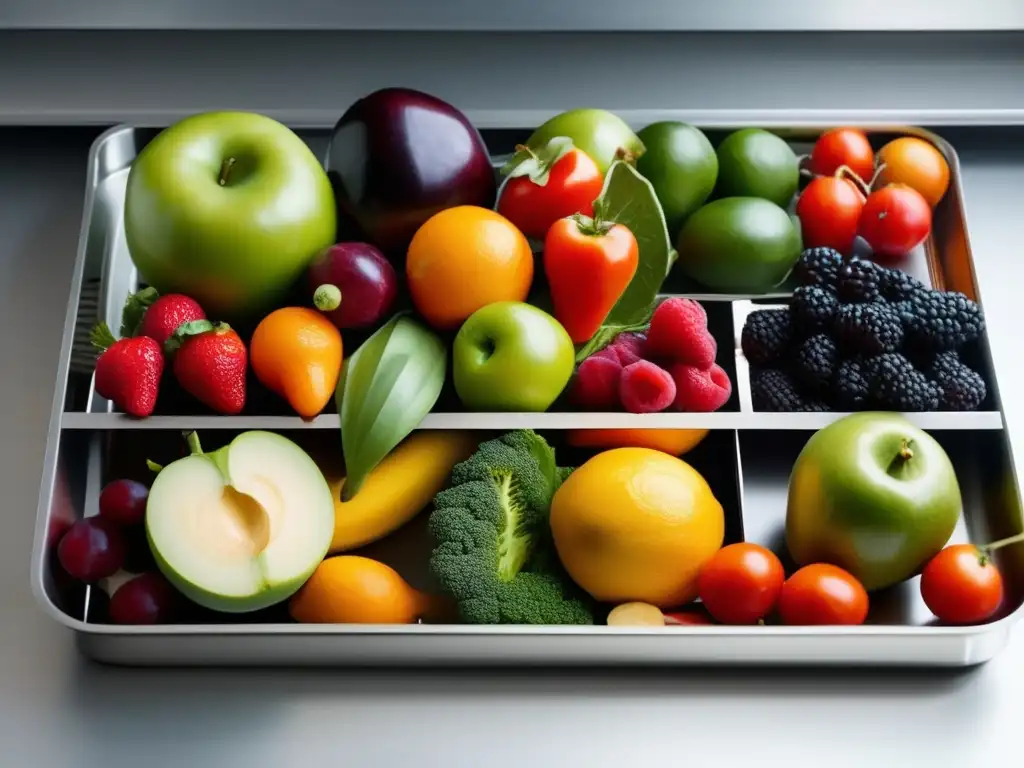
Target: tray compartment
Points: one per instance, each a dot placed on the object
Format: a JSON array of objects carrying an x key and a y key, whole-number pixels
[
  {"x": 990, "y": 510},
  {"x": 101, "y": 456},
  {"x": 976, "y": 355}
]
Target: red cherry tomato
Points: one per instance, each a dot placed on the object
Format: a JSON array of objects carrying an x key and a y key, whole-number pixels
[
  {"x": 843, "y": 146},
  {"x": 554, "y": 186},
  {"x": 740, "y": 583},
  {"x": 895, "y": 220},
  {"x": 829, "y": 210},
  {"x": 822, "y": 594},
  {"x": 961, "y": 585}
]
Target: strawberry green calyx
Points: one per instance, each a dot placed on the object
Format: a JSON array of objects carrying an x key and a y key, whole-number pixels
[
  {"x": 101, "y": 337},
  {"x": 537, "y": 164},
  {"x": 192, "y": 328},
  {"x": 327, "y": 297},
  {"x": 135, "y": 310}
]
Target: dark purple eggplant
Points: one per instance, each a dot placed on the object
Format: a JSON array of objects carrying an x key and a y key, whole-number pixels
[{"x": 397, "y": 157}]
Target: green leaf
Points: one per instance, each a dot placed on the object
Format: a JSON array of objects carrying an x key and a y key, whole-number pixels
[
  {"x": 385, "y": 390},
  {"x": 135, "y": 309},
  {"x": 537, "y": 165},
  {"x": 629, "y": 199},
  {"x": 606, "y": 334}
]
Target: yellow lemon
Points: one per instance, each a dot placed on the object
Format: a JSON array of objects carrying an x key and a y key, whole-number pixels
[{"x": 636, "y": 525}]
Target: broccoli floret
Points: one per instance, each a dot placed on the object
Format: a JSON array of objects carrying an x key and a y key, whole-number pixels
[{"x": 494, "y": 554}]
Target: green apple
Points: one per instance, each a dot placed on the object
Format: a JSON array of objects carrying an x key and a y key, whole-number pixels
[
  {"x": 511, "y": 356},
  {"x": 599, "y": 133},
  {"x": 873, "y": 494},
  {"x": 241, "y": 528},
  {"x": 228, "y": 208}
]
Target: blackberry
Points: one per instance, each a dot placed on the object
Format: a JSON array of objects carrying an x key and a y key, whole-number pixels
[
  {"x": 860, "y": 282},
  {"x": 896, "y": 285},
  {"x": 814, "y": 362},
  {"x": 766, "y": 336},
  {"x": 812, "y": 308},
  {"x": 773, "y": 390},
  {"x": 818, "y": 266},
  {"x": 851, "y": 386},
  {"x": 868, "y": 329},
  {"x": 941, "y": 320},
  {"x": 962, "y": 389},
  {"x": 897, "y": 385}
]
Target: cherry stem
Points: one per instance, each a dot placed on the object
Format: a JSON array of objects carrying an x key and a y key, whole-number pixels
[
  {"x": 846, "y": 172},
  {"x": 225, "y": 170},
  {"x": 988, "y": 548},
  {"x": 874, "y": 177}
]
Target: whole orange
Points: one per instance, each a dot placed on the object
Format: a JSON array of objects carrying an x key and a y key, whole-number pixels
[
  {"x": 349, "y": 589},
  {"x": 916, "y": 163},
  {"x": 465, "y": 258}
]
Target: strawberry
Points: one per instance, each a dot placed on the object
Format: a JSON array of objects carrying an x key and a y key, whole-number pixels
[
  {"x": 128, "y": 371},
  {"x": 210, "y": 362},
  {"x": 147, "y": 313}
]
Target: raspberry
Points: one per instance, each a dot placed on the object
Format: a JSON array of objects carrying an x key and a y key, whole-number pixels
[
  {"x": 646, "y": 388},
  {"x": 596, "y": 384},
  {"x": 679, "y": 332},
  {"x": 628, "y": 347},
  {"x": 700, "y": 391}
]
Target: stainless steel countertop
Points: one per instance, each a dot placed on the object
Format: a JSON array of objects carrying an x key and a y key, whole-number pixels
[{"x": 56, "y": 709}]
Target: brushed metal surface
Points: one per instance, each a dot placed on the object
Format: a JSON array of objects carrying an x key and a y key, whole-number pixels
[
  {"x": 897, "y": 635},
  {"x": 309, "y": 78},
  {"x": 523, "y": 15},
  {"x": 57, "y": 709}
]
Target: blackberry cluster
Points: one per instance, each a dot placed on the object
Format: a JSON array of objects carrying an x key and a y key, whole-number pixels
[{"x": 859, "y": 336}]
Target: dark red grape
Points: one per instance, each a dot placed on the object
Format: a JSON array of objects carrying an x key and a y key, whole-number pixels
[
  {"x": 146, "y": 599},
  {"x": 92, "y": 549},
  {"x": 124, "y": 502}
]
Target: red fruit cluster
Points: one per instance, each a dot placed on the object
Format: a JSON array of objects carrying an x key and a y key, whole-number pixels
[
  {"x": 672, "y": 366},
  {"x": 100, "y": 548},
  {"x": 208, "y": 360}
]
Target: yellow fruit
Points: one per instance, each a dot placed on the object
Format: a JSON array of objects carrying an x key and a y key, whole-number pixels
[
  {"x": 636, "y": 525},
  {"x": 357, "y": 590},
  {"x": 674, "y": 441},
  {"x": 635, "y": 615},
  {"x": 398, "y": 488}
]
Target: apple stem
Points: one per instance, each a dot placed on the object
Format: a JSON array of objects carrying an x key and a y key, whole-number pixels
[
  {"x": 1002, "y": 543},
  {"x": 225, "y": 170},
  {"x": 327, "y": 297},
  {"x": 192, "y": 440},
  {"x": 905, "y": 451}
]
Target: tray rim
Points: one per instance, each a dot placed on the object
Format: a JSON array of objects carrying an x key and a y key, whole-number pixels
[{"x": 708, "y": 119}]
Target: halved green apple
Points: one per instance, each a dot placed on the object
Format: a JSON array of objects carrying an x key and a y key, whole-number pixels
[{"x": 241, "y": 528}]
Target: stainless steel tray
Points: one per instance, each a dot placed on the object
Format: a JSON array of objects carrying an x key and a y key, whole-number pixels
[{"x": 746, "y": 459}]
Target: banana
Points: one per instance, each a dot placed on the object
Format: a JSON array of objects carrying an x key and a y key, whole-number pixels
[{"x": 398, "y": 488}]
